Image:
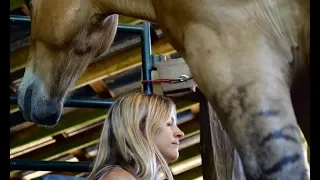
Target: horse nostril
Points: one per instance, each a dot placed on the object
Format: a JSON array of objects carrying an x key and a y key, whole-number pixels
[
  {"x": 46, "y": 118},
  {"x": 47, "y": 114}
]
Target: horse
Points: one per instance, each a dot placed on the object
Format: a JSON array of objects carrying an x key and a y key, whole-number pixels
[{"x": 249, "y": 58}]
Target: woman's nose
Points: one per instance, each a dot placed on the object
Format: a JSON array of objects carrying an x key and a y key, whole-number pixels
[{"x": 178, "y": 133}]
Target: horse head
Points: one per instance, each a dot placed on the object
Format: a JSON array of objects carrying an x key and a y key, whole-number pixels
[{"x": 65, "y": 37}]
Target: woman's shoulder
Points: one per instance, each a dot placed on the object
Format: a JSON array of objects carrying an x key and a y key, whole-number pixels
[{"x": 118, "y": 174}]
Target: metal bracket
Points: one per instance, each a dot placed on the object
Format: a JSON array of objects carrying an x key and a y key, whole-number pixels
[{"x": 155, "y": 59}]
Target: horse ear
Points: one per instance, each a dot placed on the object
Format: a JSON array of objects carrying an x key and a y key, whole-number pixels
[
  {"x": 28, "y": 3},
  {"x": 25, "y": 10}
]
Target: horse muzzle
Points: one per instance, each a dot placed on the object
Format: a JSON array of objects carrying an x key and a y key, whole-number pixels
[{"x": 35, "y": 108}]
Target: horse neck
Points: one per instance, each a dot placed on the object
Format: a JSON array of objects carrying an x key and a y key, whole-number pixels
[{"x": 140, "y": 9}]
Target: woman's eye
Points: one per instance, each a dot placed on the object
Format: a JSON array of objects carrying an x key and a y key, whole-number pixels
[{"x": 169, "y": 124}]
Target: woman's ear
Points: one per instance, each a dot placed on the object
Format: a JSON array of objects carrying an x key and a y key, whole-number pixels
[{"x": 142, "y": 125}]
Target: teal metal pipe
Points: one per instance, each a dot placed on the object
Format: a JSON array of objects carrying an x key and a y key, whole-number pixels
[
  {"x": 81, "y": 103},
  {"x": 19, "y": 18},
  {"x": 37, "y": 165},
  {"x": 146, "y": 57}
]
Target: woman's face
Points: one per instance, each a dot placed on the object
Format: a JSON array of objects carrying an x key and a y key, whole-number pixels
[{"x": 167, "y": 140}]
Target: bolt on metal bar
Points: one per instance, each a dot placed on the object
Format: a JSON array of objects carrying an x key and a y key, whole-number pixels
[
  {"x": 81, "y": 103},
  {"x": 146, "y": 57},
  {"x": 121, "y": 27}
]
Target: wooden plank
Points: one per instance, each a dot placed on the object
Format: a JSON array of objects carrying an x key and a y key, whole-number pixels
[
  {"x": 118, "y": 63},
  {"x": 191, "y": 174},
  {"x": 19, "y": 58},
  {"x": 217, "y": 151},
  {"x": 102, "y": 90},
  {"x": 13, "y": 108},
  {"x": 72, "y": 119},
  {"x": 188, "y": 152},
  {"x": 64, "y": 146}
]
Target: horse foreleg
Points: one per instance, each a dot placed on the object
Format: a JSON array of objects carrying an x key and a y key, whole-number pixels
[{"x": 248, "y": 87}]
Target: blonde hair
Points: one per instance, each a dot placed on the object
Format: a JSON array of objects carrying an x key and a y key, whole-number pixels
[{"x": 127, "y": 136}]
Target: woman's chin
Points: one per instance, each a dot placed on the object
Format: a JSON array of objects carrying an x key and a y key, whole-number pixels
[{"x": 173, "y": 158}]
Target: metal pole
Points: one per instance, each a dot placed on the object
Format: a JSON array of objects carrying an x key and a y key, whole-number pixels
[
  {"x": 49, "y": 165},
  {"x": 130, "y": 28},
  {"x": 81, "y": 103},
  {"x": 146, "y": 57},
  {"x": 19, "y": 18}
]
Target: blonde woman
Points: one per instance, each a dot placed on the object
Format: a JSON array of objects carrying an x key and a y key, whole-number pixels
[{"x": 139, "y": 138}]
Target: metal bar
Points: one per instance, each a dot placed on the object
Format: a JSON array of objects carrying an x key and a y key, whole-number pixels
[
  {"x": 35, "y": 165},
  {"x": 81, "y": 103},
  {"x": 146, "y": 57},
  {"x": 130, "y": 28},
  {"x": 121, "y": 27},
  {"x": 19, "y": 18}
]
